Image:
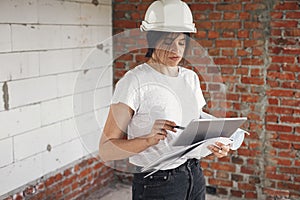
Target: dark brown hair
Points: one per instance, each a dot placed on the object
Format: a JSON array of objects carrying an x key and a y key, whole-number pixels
[{"x": 153, "y": 38}]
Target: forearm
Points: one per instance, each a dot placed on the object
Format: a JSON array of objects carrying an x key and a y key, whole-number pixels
[{"x": 117, "y": 149}]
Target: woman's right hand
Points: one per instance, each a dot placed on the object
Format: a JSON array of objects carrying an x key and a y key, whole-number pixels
[{"x": 159, "y": 131}]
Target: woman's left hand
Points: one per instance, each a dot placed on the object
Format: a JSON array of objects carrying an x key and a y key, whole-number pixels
[{"x": 219, "y": 149}]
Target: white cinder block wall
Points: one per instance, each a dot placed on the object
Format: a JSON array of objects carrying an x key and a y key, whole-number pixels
[{"x": 55, "y": 85}]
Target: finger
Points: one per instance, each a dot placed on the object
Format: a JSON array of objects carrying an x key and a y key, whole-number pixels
[
  {"x": 166, "y": 122},
  {"x": 158, "y": 126},
  {"x": 162, "y": 132},
  {"x": 160, "y": 137},
  {"x": 223, "y": 146}
]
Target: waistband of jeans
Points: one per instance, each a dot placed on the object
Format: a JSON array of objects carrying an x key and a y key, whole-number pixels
[{"x": 182, "y": 167}]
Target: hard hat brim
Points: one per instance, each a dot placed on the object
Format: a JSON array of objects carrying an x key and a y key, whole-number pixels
[{"x": 187, "y": 28}]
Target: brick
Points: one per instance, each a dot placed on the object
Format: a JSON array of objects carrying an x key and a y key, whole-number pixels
[
  {"x": 286, "y": 24},
  {"x": 230, "y": 6},
  {"x": 213, "y": 34},
  {"x": 275, "y": 92},
  {"x": 292, "y": 32},
  {"x": 243, "y": 34},
  {"x": 290, "y": 170},
  {"x": 230, "y": 15},
  {"x": 220, "y": 182},
  {"x": 228, "y": 34},
  {"x": 227, "y": 52},
  {"x": 290, "y": 102},
  {"x": 292, "y": 15},
  {"x": 204, "y": 25},
  {"x": 283, "y": 59},
  {"x": 276, "y": 192},
  {"x": 280, "y": 161},
  {"x": 252, "y": 61},
  {"x": 215, "y": 16},
  {"x": 281, "y": 75},
  {"x": 226, "y": 61},
  {"x": 246, "y": 186},
  {"x": 200, "y": 34},
  {"x": 228, "y": 43},
  {"x": 244, "y": 15},
  {"x": 252, "y": 25},
  {"x": 287, "y": 154},
  {"x": 255, "y": 6},
  {"x": 281, "y": 145},
  {"x": 201, "y": 7},
  {"x": 236, "y": 193},
  {"x": 277, "y": 127},
  {"x": 227, "y": 25},
  {"x": 271, "y": 118},
  {"x": 251, "y": 195},
  {"x": 289, "y": 186},
  {"x": 223, "y": 166},
  {"x": 279, "y": 110},
  {"x": 242, "y": 52},
  {"x": 253, "y": 43},
  {"x": 253, "y": 80},
  {"x": 276, "y": 15},
  {"x": 285, "y": 6},
  {"x": 289, "y": 137}
]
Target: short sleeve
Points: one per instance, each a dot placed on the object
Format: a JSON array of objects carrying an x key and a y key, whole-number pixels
[
  {"x": 198, "y": 91},
  {"x": 127, "y": 91}
]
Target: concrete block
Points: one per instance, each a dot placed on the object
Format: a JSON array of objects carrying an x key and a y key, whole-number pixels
[
  {"x": 23, "y": 11},
  {"x": 5, "y": 39},
  {"x": 20, "y": 173},
  {"x": 19, "y": 65},
  {"x": 32, "y": 168},
  {"x": 62, "y": 155},
  {"x": 96, "y": 15},
  {"x": 19, "y": 120},
  {"x": 56, "y": 110},
  {"x": 58, "y": 12},
  {"x": 6, "y": 152},
  {"x": 1, "y": 97},
  {"x": 102, "y": 97},
  {"x": 84, "y": 36},
  {"x": 101, "y": 116},
  {"x": 57, "y": 61},
  {"x": 66, "y": 83},
  {"x": 30, "y": 91},
  {"x": 68, "y": 130},
  {"x": 36, "y": 141},
  {"x": 38, "y": 37}
]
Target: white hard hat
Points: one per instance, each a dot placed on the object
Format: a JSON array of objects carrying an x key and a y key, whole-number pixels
[{"x": 168, "y": 16}]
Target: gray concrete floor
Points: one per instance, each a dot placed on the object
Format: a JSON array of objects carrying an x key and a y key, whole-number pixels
[{"x": 121, "y": 191}]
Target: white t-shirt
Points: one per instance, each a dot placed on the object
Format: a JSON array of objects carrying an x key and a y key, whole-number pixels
[{"x": 153, "y": 95}]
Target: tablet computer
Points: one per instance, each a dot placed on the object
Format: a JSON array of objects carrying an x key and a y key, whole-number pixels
[{"x": 201, "y": 129}]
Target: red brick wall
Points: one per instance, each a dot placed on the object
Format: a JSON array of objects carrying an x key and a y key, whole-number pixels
[
  {"x": 74, "y": 182},
  {"x": 255, "y": 43}
]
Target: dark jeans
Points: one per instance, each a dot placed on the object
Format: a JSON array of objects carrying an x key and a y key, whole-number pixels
[{"x": 185, "y": 182}]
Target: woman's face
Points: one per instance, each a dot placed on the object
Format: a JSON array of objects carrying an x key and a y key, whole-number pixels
[{"x": 170, "y": 49}]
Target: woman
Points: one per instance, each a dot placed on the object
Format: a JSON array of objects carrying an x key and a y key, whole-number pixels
[{"x": 148, "y": 102}]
